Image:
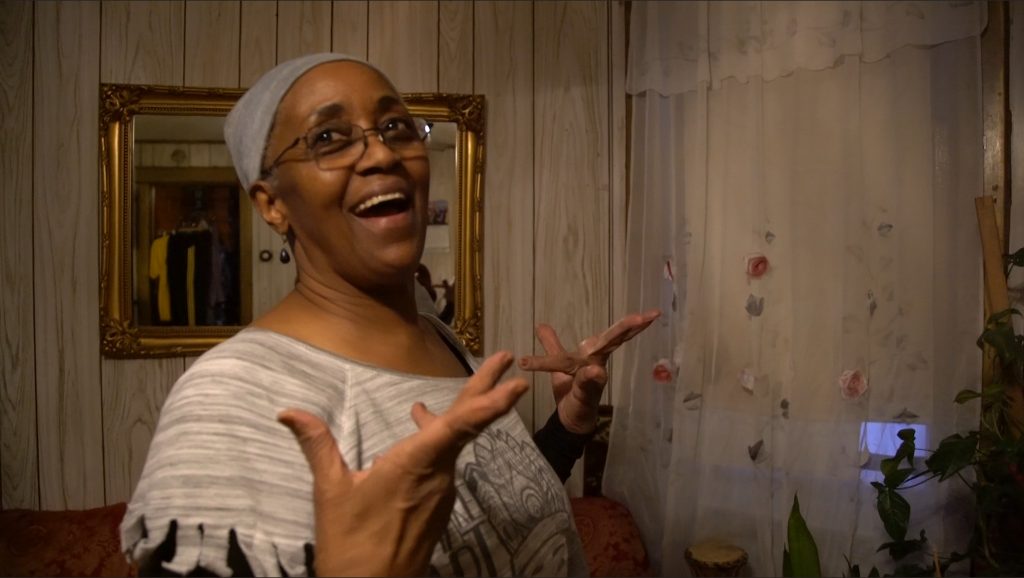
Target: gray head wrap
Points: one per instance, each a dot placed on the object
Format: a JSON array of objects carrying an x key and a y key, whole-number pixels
[{"x": 247, "y": 127}]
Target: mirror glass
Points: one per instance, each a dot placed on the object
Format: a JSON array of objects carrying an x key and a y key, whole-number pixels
[
  {"x": 181, "y": 240},
  {"x": 192, "y": 223},
  {"x": 437, "y": 266}
]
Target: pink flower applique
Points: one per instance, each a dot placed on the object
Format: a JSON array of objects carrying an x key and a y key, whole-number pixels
[
  {"x": 757, "y": 265},
  {"x": 747, "y": 380},
  {"x": 662, "y": 371},
  {"x": 852, "y": 384}
]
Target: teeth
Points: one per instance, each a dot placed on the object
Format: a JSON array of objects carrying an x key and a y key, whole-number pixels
[{"x": 378, "y": 199}]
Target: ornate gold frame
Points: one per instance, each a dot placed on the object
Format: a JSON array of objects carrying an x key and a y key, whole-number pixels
[
  {"x": 467, "y": 112},
  {"x": 122, "y": 337}
]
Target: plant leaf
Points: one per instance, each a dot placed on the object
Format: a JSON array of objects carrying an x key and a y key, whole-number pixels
[
  {"x": 894, "y": 510},
  {"x": 901, "y": 548},
  {"x": 907, "y": 448},
  {"x": 888, "y": 467},
  {"x": 803, "y": 552},
  {"x": 787, "y": 563},
  {"x": 898, "y": 477},
  {"x": 954, "y": 453},
  {"x": 907, "y": 434},
  {"x": 1016, "y": 258},
  {"x": 966, "y": 395}
]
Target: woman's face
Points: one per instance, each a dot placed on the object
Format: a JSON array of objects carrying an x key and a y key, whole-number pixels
[{"x": 365, "y": 222}]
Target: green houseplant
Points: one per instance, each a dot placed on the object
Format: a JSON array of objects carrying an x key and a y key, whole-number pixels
[{"x": 993, "y": 453}]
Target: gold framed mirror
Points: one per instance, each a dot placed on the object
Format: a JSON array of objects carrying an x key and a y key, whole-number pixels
[{"x": 177, "y": 251}]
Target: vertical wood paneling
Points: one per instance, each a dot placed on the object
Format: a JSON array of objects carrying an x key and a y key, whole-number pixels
[
  {"x": 455, "y": 47},
  {"x": 19, "y": 472},
  {"x": 503, "y": 34},
  {"x": 65, "y": 245},
  {"x": 403, "y": 43},
  {"x": 258, "y": 54},
  {"x": 617, "y": 177},
  {"x": 303, "y": 28},
  {"x": 134, "y": 391},
  {"x": 571, "y": 127},
  {"x": 258, "y": 43},
  {"x": 142, "y": 42},
  {"x": 348, "y": 31},
  {"x": 211, "y": 43}
]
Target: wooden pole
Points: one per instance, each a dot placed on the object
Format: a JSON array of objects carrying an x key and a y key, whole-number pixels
[{"x": 997, "y": 299}]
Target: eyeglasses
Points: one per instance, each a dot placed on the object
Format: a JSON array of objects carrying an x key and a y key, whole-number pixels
[{"x": 337, "y": 144}]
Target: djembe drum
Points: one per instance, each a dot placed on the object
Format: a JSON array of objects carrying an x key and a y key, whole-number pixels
[{"x": 715, "y": 558}]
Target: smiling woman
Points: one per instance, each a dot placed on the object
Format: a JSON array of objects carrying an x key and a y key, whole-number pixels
[
  {"x": 350, "y": 363},
  {"x": 169, "y": 190}
]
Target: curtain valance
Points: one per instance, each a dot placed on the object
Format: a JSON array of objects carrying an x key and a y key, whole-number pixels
[{"x": 674, "y": 46}]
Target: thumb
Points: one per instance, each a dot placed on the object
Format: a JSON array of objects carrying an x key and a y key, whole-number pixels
[
  {"x": 422, "y": 416},
  {"x": 318, "y": 446}
]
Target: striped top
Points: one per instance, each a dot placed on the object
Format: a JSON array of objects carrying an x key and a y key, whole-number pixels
[{"x": 220, "y": 462}]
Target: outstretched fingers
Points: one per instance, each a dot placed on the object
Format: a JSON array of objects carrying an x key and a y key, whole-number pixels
[
  {"x": 596, "y": 348},
  {"x": 610, "y": 339},
  {"x": 477, "y": 406},
  {"x": 557, "y": 358}
]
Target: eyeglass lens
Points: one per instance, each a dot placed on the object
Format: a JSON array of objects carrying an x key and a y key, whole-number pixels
[{"x": 338, "y": 144}]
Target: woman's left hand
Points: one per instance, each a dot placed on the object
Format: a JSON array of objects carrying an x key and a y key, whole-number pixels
[{"x": 578, "y": 378}]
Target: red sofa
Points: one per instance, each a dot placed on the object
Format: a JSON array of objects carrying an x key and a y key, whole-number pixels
[{"x": 86, "y": 543}]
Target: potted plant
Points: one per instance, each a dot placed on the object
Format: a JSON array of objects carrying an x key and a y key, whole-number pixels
[{"x": 994, "y": 453}]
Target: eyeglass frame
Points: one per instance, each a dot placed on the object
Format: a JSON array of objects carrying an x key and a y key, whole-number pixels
[{"x": 422, "y": 128}]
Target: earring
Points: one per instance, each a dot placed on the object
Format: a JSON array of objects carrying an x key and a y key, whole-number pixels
[{"x": 285, "y": 257}]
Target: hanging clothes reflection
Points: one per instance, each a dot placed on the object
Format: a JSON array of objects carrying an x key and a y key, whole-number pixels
[{"x": 194, "y": 264}]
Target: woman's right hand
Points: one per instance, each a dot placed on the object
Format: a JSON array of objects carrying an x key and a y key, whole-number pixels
[{"x": 386, "y": 520}]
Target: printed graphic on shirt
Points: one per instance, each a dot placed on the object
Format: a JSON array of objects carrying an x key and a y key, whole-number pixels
[{"x": 510, "y": 514}]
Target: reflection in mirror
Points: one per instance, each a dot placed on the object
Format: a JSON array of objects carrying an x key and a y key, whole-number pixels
[
  {"x": 191, "y": 218},
  {"x": 437, "y": 266},
  {"x": 185, "y": 263}
]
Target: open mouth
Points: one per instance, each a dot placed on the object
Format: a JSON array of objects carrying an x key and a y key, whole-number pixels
[{"x": 383, "y": 205}]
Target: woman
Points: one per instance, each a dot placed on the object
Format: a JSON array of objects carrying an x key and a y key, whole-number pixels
[{"x": 332, "y": 160}]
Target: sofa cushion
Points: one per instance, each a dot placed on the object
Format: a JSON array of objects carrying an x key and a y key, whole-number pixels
[
  {"x": 64, "y": 543},
  {"x": 610, "y": 538},
  {"x": 87, "y": 542}
]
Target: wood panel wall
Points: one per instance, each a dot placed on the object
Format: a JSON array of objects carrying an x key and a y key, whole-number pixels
[{"x": 76, "y": 427}]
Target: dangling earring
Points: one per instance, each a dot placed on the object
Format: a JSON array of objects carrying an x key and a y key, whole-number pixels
[{"x": 285, "y": 256}]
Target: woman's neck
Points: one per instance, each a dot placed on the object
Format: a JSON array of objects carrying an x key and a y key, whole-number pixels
[
  {"x": 381, "y": 328},
  {"x": 338, "y": 302}
]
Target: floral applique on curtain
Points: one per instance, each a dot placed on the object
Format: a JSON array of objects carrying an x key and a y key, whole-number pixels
[
  {"x": 756, "y": 265},
  {"x": 662, "y": 372},
  {"x": 754, "y": 451},
  {"x": 852, "y": 384},
  {"x": 747, "y": 380},
  {"x": 755, "y": 305}
]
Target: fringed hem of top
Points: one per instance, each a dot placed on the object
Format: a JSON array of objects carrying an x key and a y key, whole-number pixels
[{"x": 205, "y": 543}]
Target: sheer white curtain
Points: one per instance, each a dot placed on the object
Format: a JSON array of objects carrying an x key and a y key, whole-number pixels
[{"x": 803, "y": 176}]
